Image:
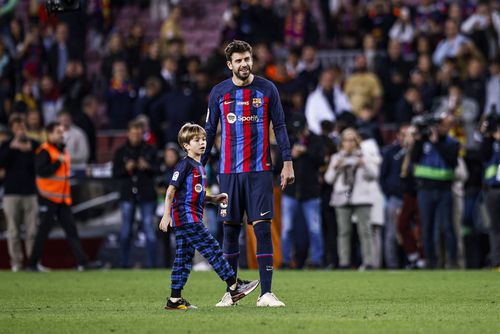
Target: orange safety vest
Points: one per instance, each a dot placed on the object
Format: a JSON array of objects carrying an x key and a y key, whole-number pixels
[{"x": 55, "y": 188}]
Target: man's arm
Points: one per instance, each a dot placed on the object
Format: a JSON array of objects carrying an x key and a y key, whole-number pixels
[
  {"x": 44, "y": 166},
  {"x": 449, "y": 152},
  {"x": 212, "y": 121},
  {"x": 278, "y": 119}
]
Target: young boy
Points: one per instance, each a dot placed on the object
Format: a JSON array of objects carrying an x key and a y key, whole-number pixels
[{"x": 184, "y": 203}]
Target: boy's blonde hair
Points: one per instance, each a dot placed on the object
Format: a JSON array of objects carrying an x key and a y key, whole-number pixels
[{"x": 188, "y": 132}]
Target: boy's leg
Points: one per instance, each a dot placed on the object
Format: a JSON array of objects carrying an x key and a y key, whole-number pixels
[{"x": 183, "y": 262}]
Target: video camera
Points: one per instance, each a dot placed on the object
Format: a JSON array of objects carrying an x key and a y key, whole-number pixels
[
  {"x": 424, "y": 123},
  {"x": 59, "y": 6}
]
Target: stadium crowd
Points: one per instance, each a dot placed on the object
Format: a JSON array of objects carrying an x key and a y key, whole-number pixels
[{"x": 424, "y": 87}]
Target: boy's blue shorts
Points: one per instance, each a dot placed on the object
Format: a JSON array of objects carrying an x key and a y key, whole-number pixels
[{"x": 250, "y": 192}]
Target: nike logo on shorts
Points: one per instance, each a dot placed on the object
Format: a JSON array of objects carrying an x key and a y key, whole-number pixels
[{"x": 264, "y": 213}]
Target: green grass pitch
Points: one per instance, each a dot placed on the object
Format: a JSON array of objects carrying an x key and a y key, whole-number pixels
[{"x": 317, "y": 302}]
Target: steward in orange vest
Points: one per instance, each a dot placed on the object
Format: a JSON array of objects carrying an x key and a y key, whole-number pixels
[{"x": 55, "y": 187}]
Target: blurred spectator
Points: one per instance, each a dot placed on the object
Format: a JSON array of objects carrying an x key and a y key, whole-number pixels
[
  {"x": 392, "y": 70},
  {"x": 20, "y": 204},
  {"x": 390, "y": 182},
  {"x": 134, "y": 165},
  {"x": 120, "y": 97},
  {"x": 428, "y": 16},
  {"x": 483, "y": 27},
  {"x": 403, "y": 31},
  {"x": 409, "y": 106},
  {"x": 408, "y": 223},
  {"x": 490, "y": 150},
  {"x": 474, "y": 83},
  {"x": 451, "y": 45},
  {"x": 15, "y": 37},
  {"x": 308, "y": 157},
  {"x": 435, "y": 159},
  {"x": 493, "y": 87},
  {"x": 326, "y": 102},
  {"x": 465, "y": 112},
  {"x": 34, "y": 126},
  {"x": 115, "y": 52},
  {"x": 370, "y": 51},
  {"x": 51, "y": 101},
  {"x": 135, "y": 47},
  {"x": 368, "y": 127},
  {"x": 52, "y": 166},
  {"x": 24, "y": 99},
  {"x": 75, "y": 141},
  {"x": 169, "y": 74},
  {"x": 74, "y": 86},
  {"x": 85, "y": 120},
  {"x": 309, "y": 69},
  {"x": 152, "y": 105},
  {"x": 300, "y": 27},
  {"x": 458, "y": 193},
  {"x": 268, "y": 25},
  {"x": 350, "y": 172},
  {"x": 150, "y": 65},
  {"x": 363, "y": 87},
  {"x": 171, "y": 29},
  {"x": 377, "y": 21},
  {"x": 60, "y": 53}
]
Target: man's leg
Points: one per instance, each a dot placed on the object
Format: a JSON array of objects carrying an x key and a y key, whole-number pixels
[
  {"x": 68, "y": 224},
  {"x": 492, "y": 203},
  {"x": 31, "y": 218},
  {"x": 390, "y": 242},
  {"x": 262, "y": 230},
  {"x": 13, "y": 215},
  {"x": 427, "y": 210},
  {"x": 444, "y": 218},
  {"x": 231, "y": 244},
  {"x": 312, "y": 214},
  {"x": 128, "y": 210},
  {"x": 288, "y": 208},
  {"x": 147, "y": 215},
  {"x": 47, "y": 218}
]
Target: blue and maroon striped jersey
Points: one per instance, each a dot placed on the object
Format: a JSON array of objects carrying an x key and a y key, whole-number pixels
[
  {"x": 245, "y": 114},
  {"x": 189, "y": 179}
]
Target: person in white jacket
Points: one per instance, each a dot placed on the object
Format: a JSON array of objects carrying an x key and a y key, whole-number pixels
[
  {"x": 326, "y": 102},
  {"x": 351, "y": 172}
]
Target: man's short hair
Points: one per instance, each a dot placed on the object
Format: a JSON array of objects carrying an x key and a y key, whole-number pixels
[
  {"x": 52, "y": 126},
  {"x": 134, "y": 124},
  {"x": 237, "y": 46},
  {"x": 188, "y": 132},
  {"x": 16, "y": 119}
]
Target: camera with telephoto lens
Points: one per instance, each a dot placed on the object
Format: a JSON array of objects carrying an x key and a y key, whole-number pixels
[
  {"x": 59, "y": 6},
  {"x": 424, "y": 123}
]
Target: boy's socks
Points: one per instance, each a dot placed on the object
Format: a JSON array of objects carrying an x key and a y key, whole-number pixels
[
  {"x": 176, "y": 293},
  {"x": 231, "y": 283},
  {"x": 264, "y": 255},
  {"x": 231, "y": 246}
]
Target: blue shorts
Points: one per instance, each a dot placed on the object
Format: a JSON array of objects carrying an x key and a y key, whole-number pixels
[{"x": 250, "y": 193}]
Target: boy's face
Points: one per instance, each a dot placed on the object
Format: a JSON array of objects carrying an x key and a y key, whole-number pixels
[{"x": 196, "y": 145}]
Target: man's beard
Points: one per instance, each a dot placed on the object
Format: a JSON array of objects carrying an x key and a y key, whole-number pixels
[{"x": 241, "y": 77}]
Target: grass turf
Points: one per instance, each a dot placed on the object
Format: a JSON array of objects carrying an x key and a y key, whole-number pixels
[{"x": 317, "y": 302}]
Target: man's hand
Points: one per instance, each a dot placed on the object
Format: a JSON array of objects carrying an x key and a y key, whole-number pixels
[
  {"x": 61, "y": 157},
  {"x": 130, "y": 165},
  {"x": 298, "y": 150},
  {"x": 287, "y": 174},
  {"x": 165, "y": 223},
  {"x": 220, "y": 198},
  {"x": 143, "y": 164},
  {"x": 434, "y": 136}
]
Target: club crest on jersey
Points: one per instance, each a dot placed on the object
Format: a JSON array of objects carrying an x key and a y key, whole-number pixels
[
  {"x": 231, "y": 118},
  {"x": 198, "y": 188},
  {"x": 223, "y": 212},
  {"x": 256, "y": 102}
]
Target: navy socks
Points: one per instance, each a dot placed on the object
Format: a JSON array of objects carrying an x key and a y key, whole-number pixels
[{"x": 262, "y": 232}]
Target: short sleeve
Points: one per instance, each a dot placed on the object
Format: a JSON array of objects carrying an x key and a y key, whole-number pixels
[{"x": 179, "y": 175}]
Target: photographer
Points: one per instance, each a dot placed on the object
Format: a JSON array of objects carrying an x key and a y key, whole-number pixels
[
  {"x": 134, "y": 166},
  {"x": 435, "y": 157},
  {"x": 308, "y": 157},
  {"x": 490, "y": 151},
  {"x": 350, "y": 173},
  {"x": 20, "y": 204}
]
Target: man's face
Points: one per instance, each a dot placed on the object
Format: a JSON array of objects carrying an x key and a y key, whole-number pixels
[
  {"x": 65, "y": 121},
  {"x": 135, "y": 135},
  {"x": 57, "y": 135},
  {"x": 327, "y": 80},
  {"x": 241, "y": 65},
  {"x": 19, "y": 129}
]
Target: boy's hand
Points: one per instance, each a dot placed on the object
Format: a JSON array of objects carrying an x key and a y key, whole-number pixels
[
  {"x": 221, "y": 198},
  {"x": 165, "y": 222}
]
